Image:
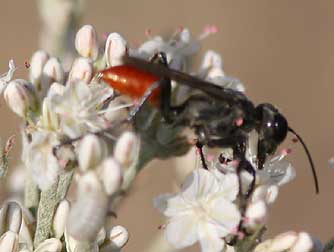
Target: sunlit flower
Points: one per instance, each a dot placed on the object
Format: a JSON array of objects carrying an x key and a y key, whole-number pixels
[
  {"x": 6, "y": 77},
  {"x": 203, "y": 211}
]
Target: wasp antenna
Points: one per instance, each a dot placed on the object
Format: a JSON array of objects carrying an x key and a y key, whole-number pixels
[{"x": 314, "y": 173}]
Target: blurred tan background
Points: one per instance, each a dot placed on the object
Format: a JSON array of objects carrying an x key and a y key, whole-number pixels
[{"x": 282, "y": 50}]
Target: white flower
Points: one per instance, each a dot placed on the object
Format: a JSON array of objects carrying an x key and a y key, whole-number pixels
[
  {"x": 38, "y": 157},
  {"x": 203, "y": 211},
  {"x": 78, "y": 108}
]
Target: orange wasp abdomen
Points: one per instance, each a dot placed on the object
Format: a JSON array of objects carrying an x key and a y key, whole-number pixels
[{"x": 131, "y": 81}]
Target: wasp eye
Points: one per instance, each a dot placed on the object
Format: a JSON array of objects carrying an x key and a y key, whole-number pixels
[{"x": 280, "y": 128}]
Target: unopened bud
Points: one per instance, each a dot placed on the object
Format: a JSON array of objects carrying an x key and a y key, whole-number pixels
[
  {"x": 101, "y": 236},
  {"x": 303, "y": 243},
  {"x": 82, "y": 69},
  {"x": 283, "y": 242},
  {"x": 60, "y": 218},
  {"x": 88, "y": 213},
  {"x": 115, "y": 49},
  {"x": 86, "y": 42},
  {"x": 127, "y": 149},
  {"x": 21, "y": 97},
  {"x": 50, "y": 245},
  {"x": 37, "y": 63},
  {"x": 56, "y": 89},
  {"x": 9, "y": 242},
  {"x": 10, "y": 217},
  {"x": 118, "y": 236},
  {"x": 49, "y": 119},
  {"x": 92, "y": 151},
  {"x": 52, "y": 72},
  {"x": 111, "y": 175},
  {"x": 256, "y": 213}
]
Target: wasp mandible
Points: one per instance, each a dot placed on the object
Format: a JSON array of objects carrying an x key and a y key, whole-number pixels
[{"x": 220, "y": 117}]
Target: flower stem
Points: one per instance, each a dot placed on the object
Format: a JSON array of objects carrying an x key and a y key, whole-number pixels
[{"x": 47, "y": 206}]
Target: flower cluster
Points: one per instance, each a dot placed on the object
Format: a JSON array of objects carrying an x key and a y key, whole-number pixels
[{"x": 73, "y": 135}]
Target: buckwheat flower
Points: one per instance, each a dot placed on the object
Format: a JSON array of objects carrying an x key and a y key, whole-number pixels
[
  {"x": 52, "y": 72},
  {"x": 111, "y": 174},
  {"x": 287, "y": 242},
  {"x": 91, "y": 151},
  {"x": 49, "y": 119},
  {"x": 37, "y": 63},
  {"x": 127, "y": 148},
  {"x": 116, "y": 47},
  {"x": 78, "y": 109},
  {"x": 6, "y": 77},
  {"x": 82, "y": 69},
  {"x": 88, "y": 213},
  {"x": 9, "y": 242},
  {"x": 50, "y": 245},
  {"x": 86, "y": 42},
  {"x": 40, "y": 160},
  {"x": 203, "y": 211},
  {"x": 10, "y": 217},
  {"x": 117, "y": 237},
  {"x": 21, "y": 97},
  {"x": 256, "y": 214},
  {"x": 60, "y": 218}
]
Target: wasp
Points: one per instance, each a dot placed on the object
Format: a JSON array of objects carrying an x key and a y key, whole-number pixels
[{"x": 220, "y": 117}]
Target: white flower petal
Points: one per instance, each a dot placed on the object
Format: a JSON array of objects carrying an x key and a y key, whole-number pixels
[
  {"x": 200, "y": 183},
  {"x": 171, "y": 205},
  {"x": 224, "y": 214},
  {"x": 209, "y": 239},
  {"x": 182, "y": 231}
]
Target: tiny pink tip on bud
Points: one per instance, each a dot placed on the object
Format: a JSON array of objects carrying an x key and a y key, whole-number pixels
[
  {"x": 239, "y": 122},
  {"x": 104, "y": 36},
  {"x": 241, "y": 235},
  {"x": 180, "y": 28},
  {"x": 210, "y": 157},
  {"x": 286, "y": 151},
  {"x": 235, "y": 163},
  {"x": 235, "y": 230}
]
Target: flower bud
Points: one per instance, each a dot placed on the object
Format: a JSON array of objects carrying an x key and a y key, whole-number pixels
[
  {"x": 256, "y": 213},
  {"x": 82, "y": 69},
  {"x": 111, "y": 175},
  {"x": 52, "y": 72},
  {"x": 21, "y": 98},
  {"x": 49, "y": 119},
  {"x": 283, "y": 242},
  {"x": 118, "y": 236},
  {"x": 37, "y": 63},
  {"x": 60, "y": 218},
  {"x": 115, "y": 49},
  {"x": 101, "y": 236},
  {"x": 127, "y": 149},
  {"x": 86, "y": 42},
  {"x": 56, "y": 89},
  {"x": 88, "y": 213},
  {"x": 50, "y": 245},
  {"x": 303, "y": 243},
  {"x": 91, "y": 152},
  {"x": 212, "y": 60},
  {"x": 10, "y": 217},
  {"x": 9, "y": 242}
]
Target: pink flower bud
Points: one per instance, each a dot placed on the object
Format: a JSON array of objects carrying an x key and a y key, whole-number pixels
[
  {"x": 126, "y": 149},
  {"x": 21, "y": 97},
  {"x": 303, "y": 243},
  {"x": 256, "y": 214},
  {"x": 82, "y": 69},
  {"x": 111, "y": 175},
  {"x": 37, "y": 63},
  {"x": 116, "y": 47},
  {"x": 52, "y": 72},
  {"x": 86, "y": 42}
]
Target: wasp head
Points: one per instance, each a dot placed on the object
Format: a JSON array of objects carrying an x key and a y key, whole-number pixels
[{"x": 272, "y": 128}]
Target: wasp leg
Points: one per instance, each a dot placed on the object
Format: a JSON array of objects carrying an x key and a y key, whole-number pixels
[
  {"x": 199, "y": 147},
  {"x": 238, "y": 144}
]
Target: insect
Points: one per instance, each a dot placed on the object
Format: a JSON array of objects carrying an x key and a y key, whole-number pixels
[{"x": 220, "y": 117}]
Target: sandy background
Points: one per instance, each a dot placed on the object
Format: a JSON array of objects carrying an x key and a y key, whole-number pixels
[{"x": 283, "y": 52}]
